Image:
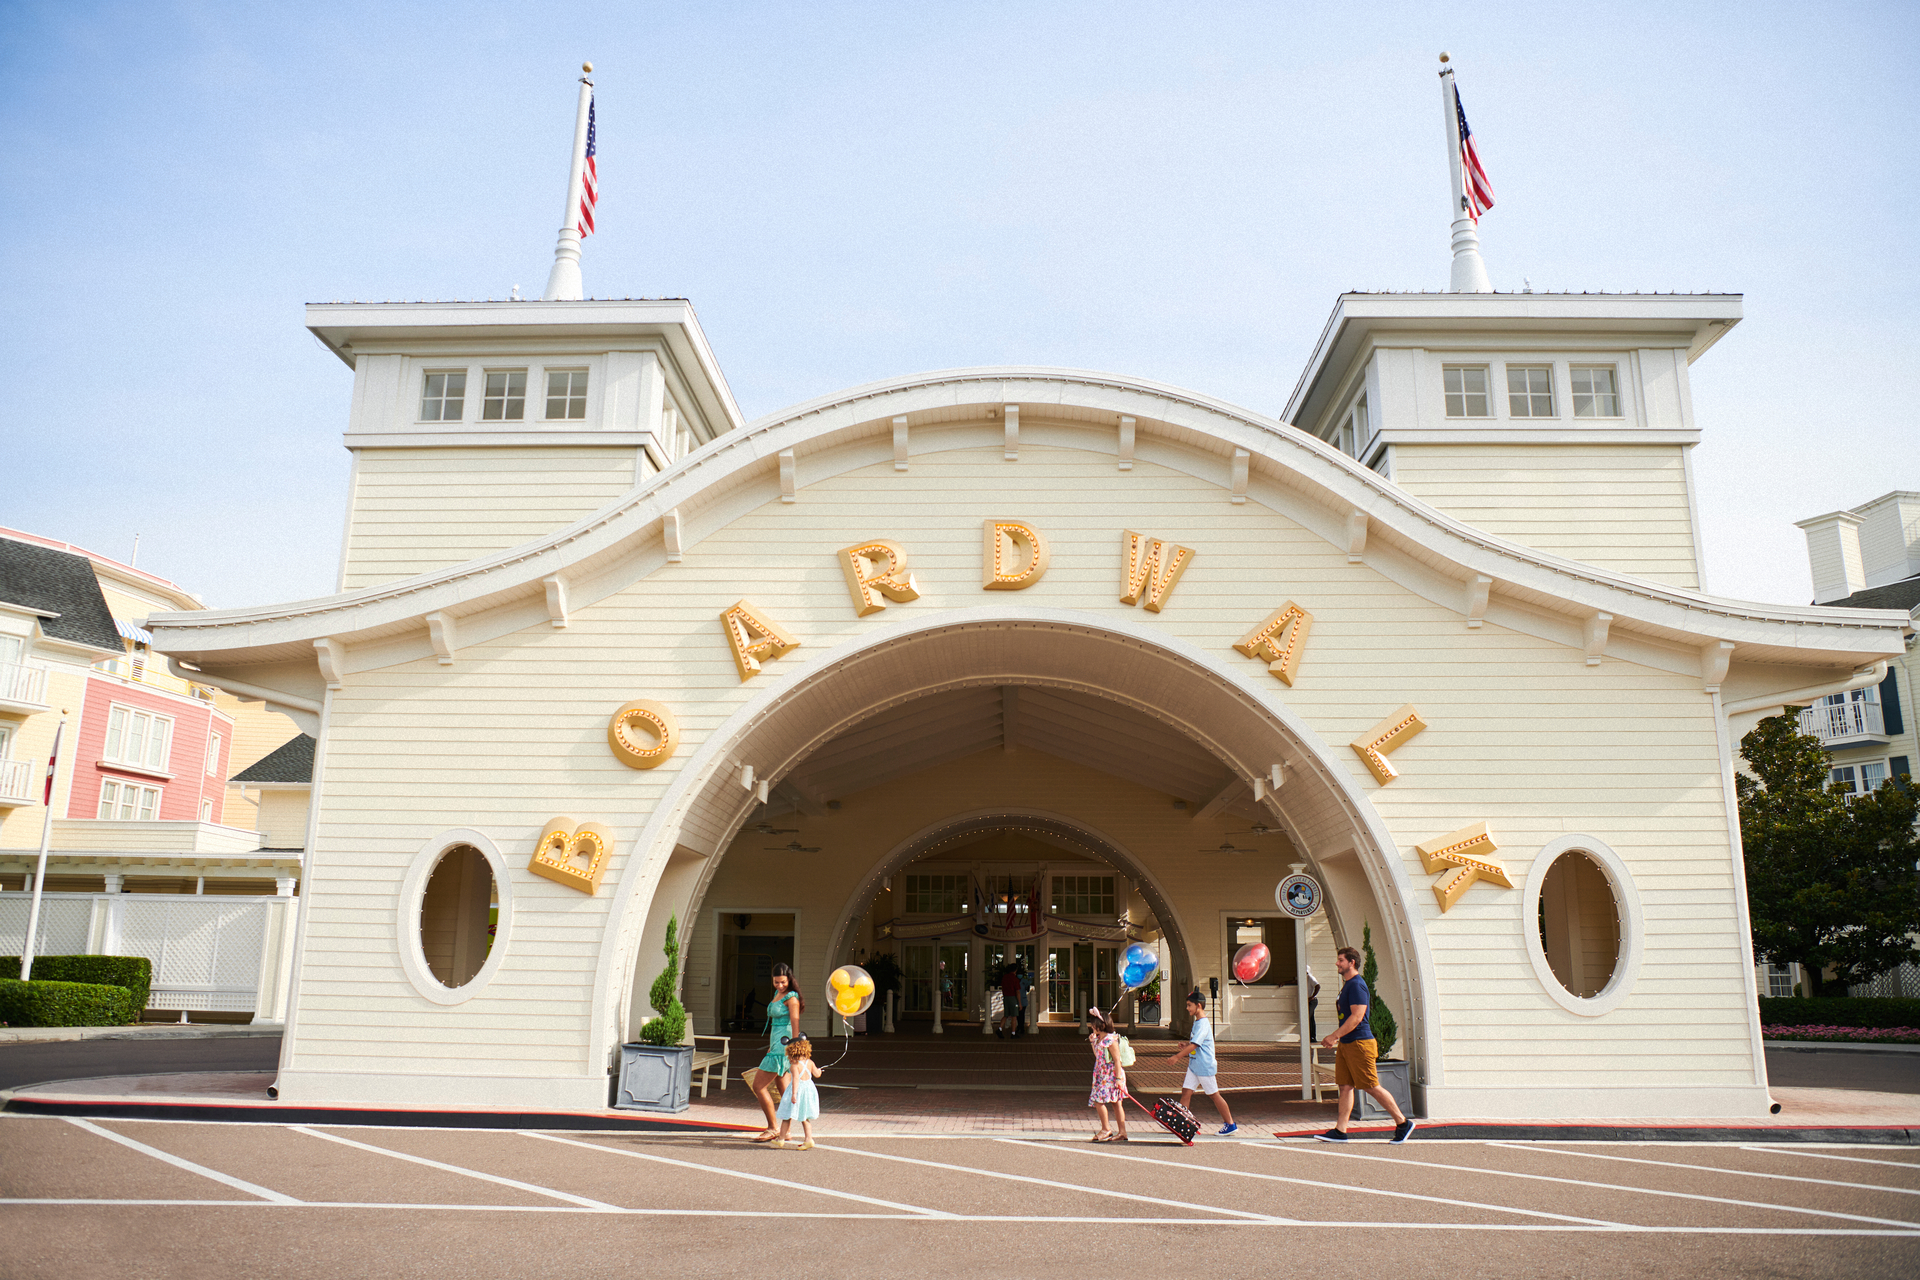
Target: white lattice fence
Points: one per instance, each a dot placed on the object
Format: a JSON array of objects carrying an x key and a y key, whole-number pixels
[
  {"x": 66, "y": 919},
  {"x": 205, "y": 951}
]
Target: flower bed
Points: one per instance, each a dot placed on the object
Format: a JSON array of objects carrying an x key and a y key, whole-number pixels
[{"x": 1851, "y": 1035}]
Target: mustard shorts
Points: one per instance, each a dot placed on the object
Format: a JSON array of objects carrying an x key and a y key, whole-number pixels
[{"x": 1353, "y": 1064}]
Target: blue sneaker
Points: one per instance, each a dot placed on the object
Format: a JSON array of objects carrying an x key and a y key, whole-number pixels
[
  {"x": 1401, "y": 1132},
  {"x": 1228, "y": 1130},
  {"x": 1331, "y": 1135}
]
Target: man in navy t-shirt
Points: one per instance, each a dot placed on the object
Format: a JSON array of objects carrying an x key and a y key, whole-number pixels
[{"x": 1355, "y": 1049}]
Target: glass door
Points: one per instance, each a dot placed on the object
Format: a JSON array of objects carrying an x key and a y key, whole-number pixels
[
  {"x": 1060, "y": 982},
  {"x": 1106, "y": 978},
  {"x": 954, "y": 986},
  {"x": 918, "y": 972}
]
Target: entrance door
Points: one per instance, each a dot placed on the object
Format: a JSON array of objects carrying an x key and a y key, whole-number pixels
[
  {"x": 999, "y": 956},
  {"x": 928, "y": 968},
  {"x": 1085, "y": 976},
  {"x": 750, "y": 945},
  {"x": 954, "y": 984}
]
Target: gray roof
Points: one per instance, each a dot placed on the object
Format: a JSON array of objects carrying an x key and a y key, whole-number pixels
[
  {"x": 1904, "y": 594},
  {"x": 292, "y": 761},
  {"x": 58, "y": 582}
]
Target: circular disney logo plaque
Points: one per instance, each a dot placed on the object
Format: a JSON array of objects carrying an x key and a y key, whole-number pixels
[{"x": 1298, "y": 895}]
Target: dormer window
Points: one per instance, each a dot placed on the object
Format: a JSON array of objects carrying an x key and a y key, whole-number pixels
[
  {"x": 1467, "y": 391},
  {"x": 566, "y": 393},
  {"x": 444, "y": 397},
  {"x": 1594, "y": 392},
  {"x": 506, "y": 398},
  {"x": 1529, "y": 391}
]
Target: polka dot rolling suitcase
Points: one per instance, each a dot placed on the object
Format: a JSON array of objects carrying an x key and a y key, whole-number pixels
[{"x": 1172, "y": 1117}]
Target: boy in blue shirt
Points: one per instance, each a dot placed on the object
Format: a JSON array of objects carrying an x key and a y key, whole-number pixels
[{"x": 1203, "y": 1069}]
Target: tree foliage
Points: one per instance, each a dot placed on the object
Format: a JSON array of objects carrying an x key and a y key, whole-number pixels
[
  {"x": 1830, "y": 881},
  {"x": 664, "y": 995},
  {"x": 1385, "y": 1029}
]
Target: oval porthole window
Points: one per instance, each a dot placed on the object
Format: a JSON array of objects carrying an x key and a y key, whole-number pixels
[
  {"x": 1578, "y": 917},
  {"x": 459, "y": 913}
]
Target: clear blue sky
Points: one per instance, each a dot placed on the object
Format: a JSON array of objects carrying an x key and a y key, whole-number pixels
[{"x": 850, "y": 192}]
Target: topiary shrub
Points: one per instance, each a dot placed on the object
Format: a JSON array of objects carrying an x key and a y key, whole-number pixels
[
  {"x": 135, "y": 973},
  {"x": 1385, "y": 1029},
  {"x": 64, "y": 1004},
  {"x": 670, "y": 1027}
]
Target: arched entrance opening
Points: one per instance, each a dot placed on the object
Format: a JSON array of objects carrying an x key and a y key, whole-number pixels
[{"x": 1126, "y": 741}]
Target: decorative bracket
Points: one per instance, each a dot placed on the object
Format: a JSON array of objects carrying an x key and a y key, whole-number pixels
[
  {"x": 1479, "y": 590},
  {"x": 556, "y": 599},
  {"x": 442, "y": 635},
  {"x": 670, "y": 535},
  {"x": 1012, "y": 412},
  {"x": 1241, "y": 459},
  {"x": 1715, "y": 657},
  {"x": 787, "y": 471},
  {"x": 1596, "y": 637},
  {"x": 900, "y": 443},
  {"x": 1356, "y": 535},
  {"x": 1126, "y": 443},
  {"x": 331, "y": 654}
]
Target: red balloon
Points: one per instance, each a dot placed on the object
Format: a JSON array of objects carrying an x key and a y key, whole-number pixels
[{"x": 1250, "y": 962}]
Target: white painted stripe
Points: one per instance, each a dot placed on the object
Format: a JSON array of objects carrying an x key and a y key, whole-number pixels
[
  {"x": 1603, "y": 1186},
  {"x": 1531, "y": 1227},
  {"x": 1713, "y": 1168},
  {"x": 1064, "y": 1186},
  {"x": 1342, "y": 1187},
  {"x": 516, "y": 1184},
  {"x": 1821, "y": 1155},
  {"x": 225, "y": 1179},
  {"x": 736, "y": 1173}
]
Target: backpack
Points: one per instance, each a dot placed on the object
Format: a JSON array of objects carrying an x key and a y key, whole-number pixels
[{"x": 1123, "y": 1052}]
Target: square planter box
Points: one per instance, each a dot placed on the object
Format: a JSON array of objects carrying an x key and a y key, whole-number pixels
[
  {"x": 1393, "y": 1075},
  {"x": 654, "y": 1077},
  {"x": 1150, "y": 1013}
]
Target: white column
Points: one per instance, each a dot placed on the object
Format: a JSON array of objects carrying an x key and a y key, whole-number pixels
[{"x": 1300, "y": 928}]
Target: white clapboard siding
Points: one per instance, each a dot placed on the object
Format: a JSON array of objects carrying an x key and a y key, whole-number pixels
[
  {"x": 1621, "y": 507},
  {"x": 1522, "y": 733},
  {"x": 413, "y": 510}
]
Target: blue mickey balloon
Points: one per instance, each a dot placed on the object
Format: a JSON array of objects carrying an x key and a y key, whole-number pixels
[{"x": 1137, "y": 966}]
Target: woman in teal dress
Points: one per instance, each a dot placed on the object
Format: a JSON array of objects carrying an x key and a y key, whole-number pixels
[{"x": 783, "y": 1022}]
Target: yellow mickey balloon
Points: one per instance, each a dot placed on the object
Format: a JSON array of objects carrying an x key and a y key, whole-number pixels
[{"x": 850, "y": 988}]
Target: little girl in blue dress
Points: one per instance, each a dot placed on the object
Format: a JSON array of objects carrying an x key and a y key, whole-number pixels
[{"x": 802, "y": 1099}]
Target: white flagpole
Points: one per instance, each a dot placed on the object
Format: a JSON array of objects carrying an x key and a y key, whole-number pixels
[
  {"x": 563, "y": 283},
  {"x": 1469, "y": 269},
  {"x": 40, "y": 868}
]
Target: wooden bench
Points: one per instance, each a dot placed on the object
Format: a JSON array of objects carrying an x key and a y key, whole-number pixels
[{"x": 706, "y": 1057}]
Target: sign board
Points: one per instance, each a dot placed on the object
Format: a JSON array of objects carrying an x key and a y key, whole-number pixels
[{"x": 1298, "y": 895}]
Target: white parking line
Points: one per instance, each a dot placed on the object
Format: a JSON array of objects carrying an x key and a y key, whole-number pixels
[
  {"x": 1603, "y": 1186},
  {"x": 225, "y": 1179},
  {"x": 1064, "y": 1220},
  {"x": 737, "y": 1173},
  {"x": 517, "y": 1185},
  {"x": 1341, "y": 1187},
  {"x": 1821, "y": 1155},
  {"x": 1064, "y": 1186},
  {"x": 1711, "y": 1168}
]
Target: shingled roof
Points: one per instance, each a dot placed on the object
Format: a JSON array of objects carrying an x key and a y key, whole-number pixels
[
  {"x": 58, "y": 582},
  {"x": 290, "y": 762},
  {"x": 1904, "y": 594}
]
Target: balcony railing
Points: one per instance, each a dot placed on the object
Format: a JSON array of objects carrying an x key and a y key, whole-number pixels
[
  {"x": 23, "y": 685},
  {"x": 1848, "y": 721},
  {"x": 16, "y": 782}
]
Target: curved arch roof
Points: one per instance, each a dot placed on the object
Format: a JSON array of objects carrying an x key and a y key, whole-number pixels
[{"x": 1199, "y": 433}]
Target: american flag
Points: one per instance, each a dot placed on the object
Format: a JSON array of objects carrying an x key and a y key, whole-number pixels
[
  {"x": 1479, "y": 190},
  {"x": 590, "y": 180}
]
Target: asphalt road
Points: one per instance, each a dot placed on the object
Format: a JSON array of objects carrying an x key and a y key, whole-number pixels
[
  {"x": 109, "y": 1198},
  {"x": 22, "y": 1064},
  {"x": 1844, "y": 1069}
]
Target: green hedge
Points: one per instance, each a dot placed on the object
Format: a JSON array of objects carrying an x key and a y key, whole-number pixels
[
  {"x": 135, "y": 973},
  {"x": 1839, "y": 1011},
  {"x": 64, "y": 1004}
]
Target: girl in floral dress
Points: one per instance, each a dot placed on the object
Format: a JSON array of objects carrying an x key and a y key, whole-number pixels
[{"x": 1109, "y": 1078}]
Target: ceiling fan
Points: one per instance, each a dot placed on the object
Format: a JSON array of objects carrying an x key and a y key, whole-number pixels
[
  {"x": 1226, "y": 846},
  {"x": 768, "y": 829},
  {"x": 1257, "y": 829},
  {"x": 792, "y": 846}
]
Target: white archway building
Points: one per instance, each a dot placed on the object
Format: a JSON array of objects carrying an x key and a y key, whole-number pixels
[{"x": 1513, "y": 579}]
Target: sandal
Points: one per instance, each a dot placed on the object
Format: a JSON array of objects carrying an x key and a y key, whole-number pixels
[
  {"x": 768, "y": 1136},
  {"x": 1101, "y": 1137}
]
